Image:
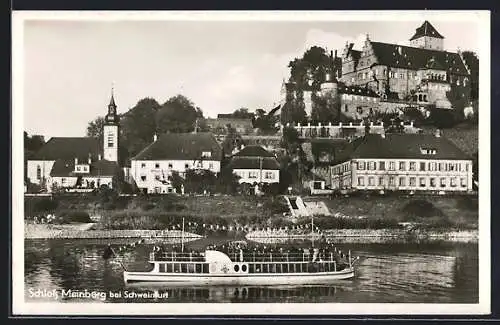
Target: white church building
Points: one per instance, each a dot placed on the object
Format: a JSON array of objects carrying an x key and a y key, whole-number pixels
[{"x": 78, "y": 163}]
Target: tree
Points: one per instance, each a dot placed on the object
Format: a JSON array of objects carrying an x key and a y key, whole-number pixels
[
  {"x": 312, "y": 66},
  {"x": 227, "y": 181},
  {"x": 232, "y": 140},
  {"x": 472, "y": 61},
  {"x": 242, "y": 113},
  {"x": 199, "y": 181},
  {"x": 176, "y": 180},
  {"x": 95, "y": 128},
  {"x": 177, "y": 115},
  {"x": 138, "y": 126}
]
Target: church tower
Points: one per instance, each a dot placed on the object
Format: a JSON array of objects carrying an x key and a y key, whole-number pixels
[
  {"x": 110, "y": 132},
  {"x": 427, "y": 37}
]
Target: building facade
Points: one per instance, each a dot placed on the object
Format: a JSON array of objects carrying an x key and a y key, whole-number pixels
[
  {"x": 254, "y": 165},
  {"x": 403, "y": 162},
  {"x": 152, "y": 168}
]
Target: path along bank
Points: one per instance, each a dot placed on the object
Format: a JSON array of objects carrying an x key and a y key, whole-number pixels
[{"x": 85, "y": 231}]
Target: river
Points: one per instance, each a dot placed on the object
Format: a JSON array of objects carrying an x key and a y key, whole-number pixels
[{"x": 429, "y": 272}]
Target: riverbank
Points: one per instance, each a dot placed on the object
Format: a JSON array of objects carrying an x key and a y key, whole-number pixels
[
  {"x": 85, "y": 231},
  {"x": 368, "y": 236}
]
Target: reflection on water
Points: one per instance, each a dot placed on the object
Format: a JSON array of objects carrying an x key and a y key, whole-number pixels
[{"x": 416, "y": 272}]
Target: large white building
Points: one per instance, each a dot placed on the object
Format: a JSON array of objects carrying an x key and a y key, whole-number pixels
[
  {"x": 402, "y": 162},
  {"x": 254, "y": 165},
  {"x": 174, "y": 152},
  {"x": 78, "y": 163}
]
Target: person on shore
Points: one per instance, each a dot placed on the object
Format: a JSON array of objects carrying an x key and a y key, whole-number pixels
[{"x": 108, "y": 252}]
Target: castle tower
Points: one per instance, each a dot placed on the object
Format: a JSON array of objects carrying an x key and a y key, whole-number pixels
[
  {"x": 427, "y": 37},
  {"x": 110, "y": 131}
]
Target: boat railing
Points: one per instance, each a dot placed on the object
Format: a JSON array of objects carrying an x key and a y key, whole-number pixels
[
  {"x": 176, "y": 257},
  {"x": 282, "y": 257}
]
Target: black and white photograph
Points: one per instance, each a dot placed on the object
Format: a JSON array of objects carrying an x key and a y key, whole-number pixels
[{"x": 251, "y": 163}]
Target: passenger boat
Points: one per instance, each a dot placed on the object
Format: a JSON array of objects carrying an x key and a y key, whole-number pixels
[{"x": 245, "y": 267}]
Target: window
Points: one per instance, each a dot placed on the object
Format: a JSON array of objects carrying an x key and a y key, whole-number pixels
[
  {"x": 402, "y": 181},
  {"x": 381, "y": 165},
  {"x": 422, "y": 182},
  {"x": 432, "y": 166},
  {"x": 206, "y": 154},
  {"x": 186, "y": 166},
  {"x": 78, "y": 168},
  {"x": 157, "y": 165},
  {"x": 210, "y": 165},
  {"x": 451, "y": 167},
  {"x": 413, "y": 181},
  {"x": 381, "y": 181},
  {"x": 402, "y": 165},
  {"x": 392, "y": 165},
  {"x": 463, "y": 182},
  {"x": 346, "y": 109},
  {"x": 453, "y": 182},
  {"x": 38, "y": 172},
  {"x": 422, "y": 166},
  {"x": 361, "y": 165},
  {"x": 252, "y": 174},
  {"x": 372, "y": 165},
  {"x": 413, "y": 166},
  {"x": 157, "y": 177},
  {"x": 432, "y": 182},
  {"x": 170, "y": 165},
  {"x": 269, "y": 175},
  {"x": 143, "y": 165},
  {"x": 391, "y": 181},
  {"x": 361, "y": 181},
  {"x": 143, "y": 178},
  {"x": 63, "y": 181},
  {"x": 371, "y": 181},
  {"x": 111, "y": 141}
]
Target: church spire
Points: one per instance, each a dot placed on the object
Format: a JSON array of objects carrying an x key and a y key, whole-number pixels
[
  {"x": 112, "y": 101},
  {"x": 112, "y": 117}
]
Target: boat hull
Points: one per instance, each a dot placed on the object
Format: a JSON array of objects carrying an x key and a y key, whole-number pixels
[{"x": 244, "y": 279}]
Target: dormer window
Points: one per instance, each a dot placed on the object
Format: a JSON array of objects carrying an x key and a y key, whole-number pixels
[
  {"x": 206, "y": 154},
  {"x": 428, "y": 151}
]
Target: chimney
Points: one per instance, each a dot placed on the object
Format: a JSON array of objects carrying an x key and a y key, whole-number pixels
[
  {"x": 438, "y": 133},
  {"x": 90, "y": 160},
  {"x": 155, "y": 137},
  {"x": 76, "y": 161},
  {"x": 99, "y": 157},
  {"x": 335, "y": 54}
]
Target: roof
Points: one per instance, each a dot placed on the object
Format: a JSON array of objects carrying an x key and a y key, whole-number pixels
[
  {"x": 405, "y": 146},
  {"x": 426, "y": 30},
  {"x": 65, "y": 168},
  {"x": 253, "y": 151},
  {"x": 338, "y": 150},
  {"x": 399, "y": 56},
  {"x": 434, "y": 65},
  {"x": 69, "y": 149},
  {"x": 254, "y": 163},
  {"x": 181, "y": 146}
]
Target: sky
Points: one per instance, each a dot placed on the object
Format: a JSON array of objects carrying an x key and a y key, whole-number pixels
[{"x": 70, "y": 66}]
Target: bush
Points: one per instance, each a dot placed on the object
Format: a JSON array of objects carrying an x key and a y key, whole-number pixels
[
  {"x": 421, "y": 209},
  {"x": 75, "y": 216},
  {"x": 46, "y": 205}
]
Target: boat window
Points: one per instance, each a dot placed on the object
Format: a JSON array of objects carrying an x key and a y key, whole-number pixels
[
  {"x": 177, "y": 267},
  {"x": 265, "y": 268},
  {"x": 284, "y": 268},
  {"x": 183, "y": 268},
  {"x": 198, "y": 268},
  {"x": 191, "y": 268},
  {"x": 322, "y": 267},
  {"x": 162, "y": 268},
  {"x": 244, "y": 268},
  {"x": 205, "y": 267},
  {"x": 273, "y": 268},
  {"x": 251, "y": 268},
  {"x": 169, "y": 267},
  {"x": 236, "y": 268}
]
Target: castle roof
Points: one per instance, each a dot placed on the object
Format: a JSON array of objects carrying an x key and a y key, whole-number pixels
[
  {"x": 399, "y": 56},
  {"x": 426, "y": 30},
  {"x": 181, "y": 146}
]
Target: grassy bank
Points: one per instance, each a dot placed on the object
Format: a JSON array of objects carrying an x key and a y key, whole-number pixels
[{"x": 206, "y": 215}]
